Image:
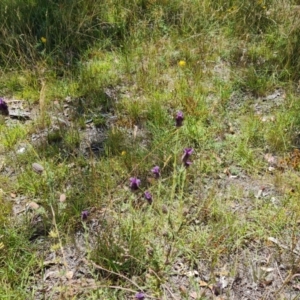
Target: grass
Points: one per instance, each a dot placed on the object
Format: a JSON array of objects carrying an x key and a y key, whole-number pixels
[{"x": 106, "y": 81}]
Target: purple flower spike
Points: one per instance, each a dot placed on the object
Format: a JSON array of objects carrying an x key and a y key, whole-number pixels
[
  {"x": 140, "y": 296},
  {"x": 156, "y": 171},
  {"x": 3, "y": 107},
  {"x": 187, "y": 163},
  {"x": 84, "y": 215},
  {"x": 148, "y": 197},
  {"x": 179, "y": 119},
  {"x": 186, "y": 155},
  {"x": 134, "y": 183}
]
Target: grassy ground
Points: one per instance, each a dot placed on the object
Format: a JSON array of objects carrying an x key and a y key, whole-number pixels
[{"x": 101, "y": 86}]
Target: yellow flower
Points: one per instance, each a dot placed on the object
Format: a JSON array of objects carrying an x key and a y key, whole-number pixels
[
  {"x": 44, "y": 40},
  {"x": 123, "y": 153},
  {"x": 181, "y": 63}
]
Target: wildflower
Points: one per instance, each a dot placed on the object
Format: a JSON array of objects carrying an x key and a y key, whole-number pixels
[
  {"x": 217, "y": 288},
  {"x": 43, "y": 40},
  {"x": 84, "y": 214},
  {"x": 123, "y": 153},
  {"x": 179, "y": 119},
  {"x": 187, "y": 163},
  {"x": 156, "y": 171},
  {"x": 186, "y": 155},
  {"x": 140, "y": 296},
  {"x": 134, "y": 183},
  {"x": 181, "y": 63},
  {"x": 148, "y": 197},
  {"x": 3, "y": 107}
]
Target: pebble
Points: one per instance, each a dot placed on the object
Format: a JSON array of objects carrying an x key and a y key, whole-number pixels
[{"x": 37, "y": 168}]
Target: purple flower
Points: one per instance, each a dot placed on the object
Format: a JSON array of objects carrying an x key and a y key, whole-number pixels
[
  {"x": 140, "y": 296},
  {"x": 187, "y": 163},
  {"x": 3, "y": 107},
  {"x": 156, "y": 171},
  {"x": 84, "y": 214},
  {"x": 148, "y": 197},
  {"x": 134, "y": 183},
  {"x": 179, "y": 119},
  {"x": 186, "y": 155}
]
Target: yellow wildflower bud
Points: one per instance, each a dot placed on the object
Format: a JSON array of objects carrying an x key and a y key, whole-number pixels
[{"x": 181, "y": 63}]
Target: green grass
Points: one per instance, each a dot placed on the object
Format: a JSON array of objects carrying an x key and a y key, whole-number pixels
[{"x": 113, "y": 76}]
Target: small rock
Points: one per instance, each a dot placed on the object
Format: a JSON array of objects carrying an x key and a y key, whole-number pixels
[
  {"x": 273, "y": 96},
  {"x": 193, "y": 273},
  {"x": 223, "y": 282},
  {"x": 37, "y": 168},
  {"x": 164, "y": 209},
  {"x": 183, "y": 289},
  {"x": 62, "y": 197},
  {"x": 21, "y": 150},
  {"x": 269, "y": 279}
]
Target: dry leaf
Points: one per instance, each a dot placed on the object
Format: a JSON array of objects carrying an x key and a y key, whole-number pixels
[
  {"x": 203, "y": 283},
  {"x": 226, "y": 171},
  {"x": 69, "y": 275},
  {"x": 183, "y": 289},
  {"x": 267, "y": 269}
]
